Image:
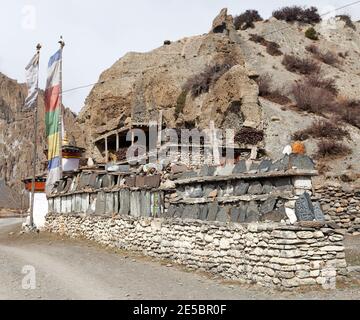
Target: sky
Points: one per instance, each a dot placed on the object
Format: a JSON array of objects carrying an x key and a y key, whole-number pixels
[{"x": 98, "y": 33}]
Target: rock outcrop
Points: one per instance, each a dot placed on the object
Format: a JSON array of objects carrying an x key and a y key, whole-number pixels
[
  {"x": 143, "y": 84},
  {"x": 16, "y": 133}
]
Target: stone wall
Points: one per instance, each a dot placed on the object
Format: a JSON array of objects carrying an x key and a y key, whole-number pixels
[
  {"x": 341, "y": 205},
  {"x": 269, "y": 254}
]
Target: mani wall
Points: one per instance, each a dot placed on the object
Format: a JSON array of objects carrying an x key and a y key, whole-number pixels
[{"x": 254, "y": 221}]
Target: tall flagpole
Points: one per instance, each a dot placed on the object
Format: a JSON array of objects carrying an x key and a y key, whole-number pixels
[
  {"x": 61, "y": 118},
  {"x": 38, "y": 47}
]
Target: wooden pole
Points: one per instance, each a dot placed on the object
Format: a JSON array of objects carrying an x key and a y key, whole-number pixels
[
  {"x": 38, "y": 47},
  {"x": 61, "y": 117}
]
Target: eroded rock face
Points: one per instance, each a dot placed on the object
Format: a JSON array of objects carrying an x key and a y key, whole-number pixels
[
  {"x": 142, "y": 84},
  {"x": 16, "y": 133}
]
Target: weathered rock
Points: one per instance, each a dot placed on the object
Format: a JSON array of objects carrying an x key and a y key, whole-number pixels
[
  {"x": 240, "y": 167},
  {"x": 268, "y": 206},
  {"x": 252, "y": 212},
  {"x": 241, "y": 188},
  {"x": 255, "y": 188},
  {"x": 301, "y": 162},
  {"x": 265, "y": 166},
  {"x": 213, "y": 210},
  {"x": 222, "y": 215},
  {"x": 304, "y": 209}
]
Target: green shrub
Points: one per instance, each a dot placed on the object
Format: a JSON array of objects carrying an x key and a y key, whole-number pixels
[{"x": 311, "y": 34}]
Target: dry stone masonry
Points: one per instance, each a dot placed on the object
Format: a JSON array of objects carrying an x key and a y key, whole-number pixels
[
  {"x": 341, "y": 205},
  {"x": 269, "y": 254},
  {"x": 255, "y": 221}
]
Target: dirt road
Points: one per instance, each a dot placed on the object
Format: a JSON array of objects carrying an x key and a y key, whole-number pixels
[{"x": 68, "y": 269}]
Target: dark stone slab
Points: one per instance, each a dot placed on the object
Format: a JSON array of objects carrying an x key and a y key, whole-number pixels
[
  {"x": 283, "y": 183},
  {"x": 265, "y": 166},
  {"x": 304, "y": 209},
  {"x": 203, "y": 212},
  {"x": 98, "y": 182},
  {"x": 196, "y": 192},
  {"x": 107, "y": 181},
  {"x": 301, "y": 162},
  {"x": 82, "y": 180},
  {"x": 234, "y": 214},
  {"x": 255, "y": 188},
  {"x": 267, "y": 187},
  {"x": 242, "y": 213},
  {"x": 124, "y": 202},
  {"x": 140, "y": 182},
  {"x": 135, "y": 204},
  {"x": 207, "y": 189},
  {"x": 92, "y": 180},
  {"x": 179, "y": 211},
  {"x": 176, "y": 169},
  {"x": 222, "y": 215},
  {"x": 207, "y": 171},
  {"x": 109, "y": 203},
  {"x": 145, "y": 204},
  {"x": 116, "y": 202},
  {"x": 240, "y": 167},
  {"x": 319, "y": 214},
  {"x": 153, "y": 181},
  {"x": 241, "y": 188},
  {"x": 254, "y": 168},
  {"x": 188, "y": 175},
  {"x": 100, "y": 203},
  {"x": 130, "y": 182},
  {"x": 281, "y": 165},
  {"x": 191, "y": 212},
  {"x": 268, "y": 205},
  {"x": 213, "y": 210},
  {"x": 275, "y": 216},
  {"x": 171, "y": 211},
  {"x": 252, "y": 213}
]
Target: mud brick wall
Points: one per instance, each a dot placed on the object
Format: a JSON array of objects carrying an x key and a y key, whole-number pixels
[
  {"x": 268, "y": 254},
  {"x": 341, "y": 204}
]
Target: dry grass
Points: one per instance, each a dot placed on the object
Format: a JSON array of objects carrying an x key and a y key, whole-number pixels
[
  {"x": 300, "y": 65},
  {"x": 317, "y": 81},
  {"x": 322, "y": 129},
  {"x": 202, "y": 82},
  {"x": 328, "y": 57},
  {"x": 313, "y": 99},
  {"x": 272, "y": 48},
  {"x": 332, "y": 149},
  {"x": 265, "y": 91}
]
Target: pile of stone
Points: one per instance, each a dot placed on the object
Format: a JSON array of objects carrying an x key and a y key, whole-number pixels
[{"x": 341, "y": 205}]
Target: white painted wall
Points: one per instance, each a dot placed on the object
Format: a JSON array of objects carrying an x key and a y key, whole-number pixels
[
  {"x": 40, "y": 209},
  {"x": 70, "y": 164}
]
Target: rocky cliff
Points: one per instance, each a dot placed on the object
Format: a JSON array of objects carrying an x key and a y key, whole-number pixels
[
  {"x": 142, "y": 84},
  {"x": 17, "y": 130}
]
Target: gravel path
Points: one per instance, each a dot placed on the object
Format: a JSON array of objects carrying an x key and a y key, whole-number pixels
[{"x": 69, "y": 269}]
